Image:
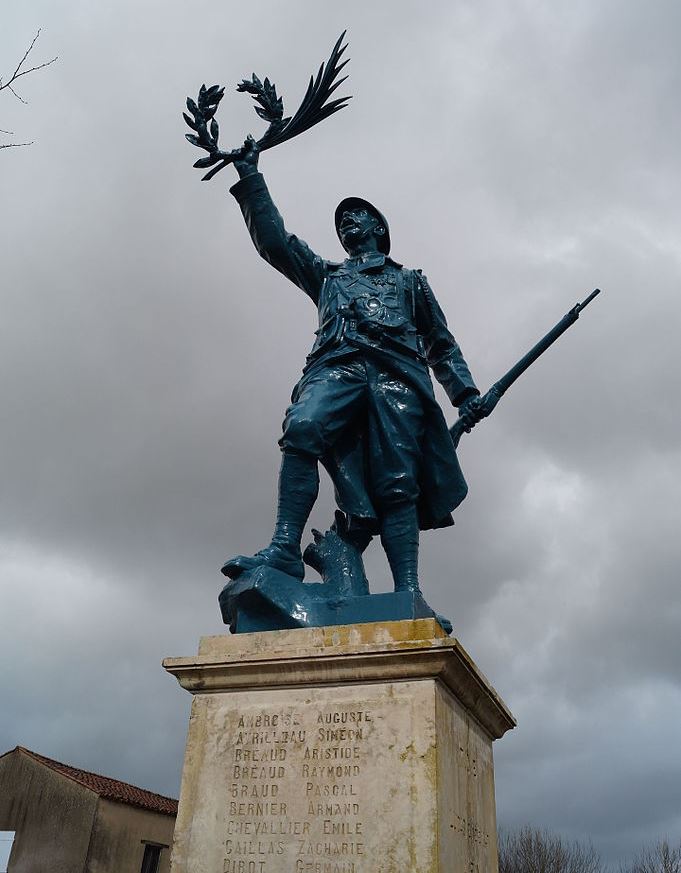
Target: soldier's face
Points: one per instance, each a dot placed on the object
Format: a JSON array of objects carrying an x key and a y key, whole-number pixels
[{"x": 356, "y": 226}]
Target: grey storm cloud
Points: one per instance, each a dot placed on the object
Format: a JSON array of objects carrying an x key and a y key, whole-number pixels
[{"x": 524, "y": 153}]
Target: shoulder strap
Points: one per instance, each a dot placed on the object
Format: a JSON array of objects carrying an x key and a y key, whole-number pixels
[
  {"x": 427, "y": 295},
  {"x": 406, "y": 285}
]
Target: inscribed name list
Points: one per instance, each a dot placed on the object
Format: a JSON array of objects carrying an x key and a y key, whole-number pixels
[{"x": 304, "y": 783}]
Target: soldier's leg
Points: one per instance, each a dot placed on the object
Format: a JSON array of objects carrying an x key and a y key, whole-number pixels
[
  {"x": 396, "y": 435},
  {"x": 296, "y": 495},
  {"x": 400, "y": 540},
  {"x": 324, "y": 404}
]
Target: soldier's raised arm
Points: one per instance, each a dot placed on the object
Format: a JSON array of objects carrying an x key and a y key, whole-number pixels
[{"x": 283, "y": 250}]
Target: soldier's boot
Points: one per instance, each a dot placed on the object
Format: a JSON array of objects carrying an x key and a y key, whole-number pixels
[
  {"x": 298, "y": 489},
  {"x": 400, "y": 540}
]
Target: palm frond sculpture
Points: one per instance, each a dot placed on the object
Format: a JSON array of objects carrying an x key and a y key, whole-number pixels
[{"x": 315, "y": 107}]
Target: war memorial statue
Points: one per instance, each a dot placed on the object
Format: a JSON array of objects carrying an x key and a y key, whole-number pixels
[
  {"x": 341, "y": 731},
  {"x": 365, "y": 406}
]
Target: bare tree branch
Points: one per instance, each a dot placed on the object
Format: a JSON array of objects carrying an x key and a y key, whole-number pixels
[
  {"x": 659, "y": 858},
  {"x": 18, "y": 72},
  {"x": 10, "y": 86},
  {"x": 19, "y": 98},
  {"x": 531, "y": 850}
]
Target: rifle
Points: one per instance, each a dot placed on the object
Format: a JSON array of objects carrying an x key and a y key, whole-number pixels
[{"x": 497, "y": 391}]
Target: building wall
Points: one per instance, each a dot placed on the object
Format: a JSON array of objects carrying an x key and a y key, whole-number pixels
[
  {"x": 117, "y": 839},
  {"x": 52, "y": 817}
]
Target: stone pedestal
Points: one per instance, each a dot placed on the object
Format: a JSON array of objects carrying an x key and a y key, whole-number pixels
[{"x": 351, "y": 749}]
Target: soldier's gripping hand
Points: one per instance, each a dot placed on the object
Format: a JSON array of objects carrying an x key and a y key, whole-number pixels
[
  {"x": 477, "y": 407},
  {"x": 247, "y": 162}
]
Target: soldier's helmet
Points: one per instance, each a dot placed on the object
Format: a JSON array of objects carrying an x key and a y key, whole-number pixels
[{"x": 350, "y": 203}]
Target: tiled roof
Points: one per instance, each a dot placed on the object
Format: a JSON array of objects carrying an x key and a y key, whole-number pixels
[{"x": 104, "y": 786}]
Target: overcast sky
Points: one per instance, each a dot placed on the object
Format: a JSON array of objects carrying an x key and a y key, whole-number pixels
[{"x": 524, "y": 154}]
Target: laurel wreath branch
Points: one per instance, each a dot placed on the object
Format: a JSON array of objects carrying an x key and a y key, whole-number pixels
[
  {"x": 204, "y": 123},
  {"x": 315, "y": 107}
]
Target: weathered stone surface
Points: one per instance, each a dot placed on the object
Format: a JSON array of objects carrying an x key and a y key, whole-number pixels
[{"x": 361, "y": 749}]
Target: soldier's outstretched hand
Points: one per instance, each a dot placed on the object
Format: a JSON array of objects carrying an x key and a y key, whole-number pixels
[{"x": 247, "y": 162}]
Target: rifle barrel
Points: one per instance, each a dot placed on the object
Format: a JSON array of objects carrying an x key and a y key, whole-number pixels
[
  {"x": 527, "y": 360},
  {"x": 499, "y": 388},
  {"x": 588, "y": 300}
]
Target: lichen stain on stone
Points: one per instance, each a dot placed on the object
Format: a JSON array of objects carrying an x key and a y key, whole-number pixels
[
  {"x": 426, "y": 765},
  {"x": 409, "y": 752},
  {"x": 430, "y": 763},
  {"x": 430, "y": 767}
]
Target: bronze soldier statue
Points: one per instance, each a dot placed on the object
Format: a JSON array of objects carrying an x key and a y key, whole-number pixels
[{"x": 365, "y": 405}]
